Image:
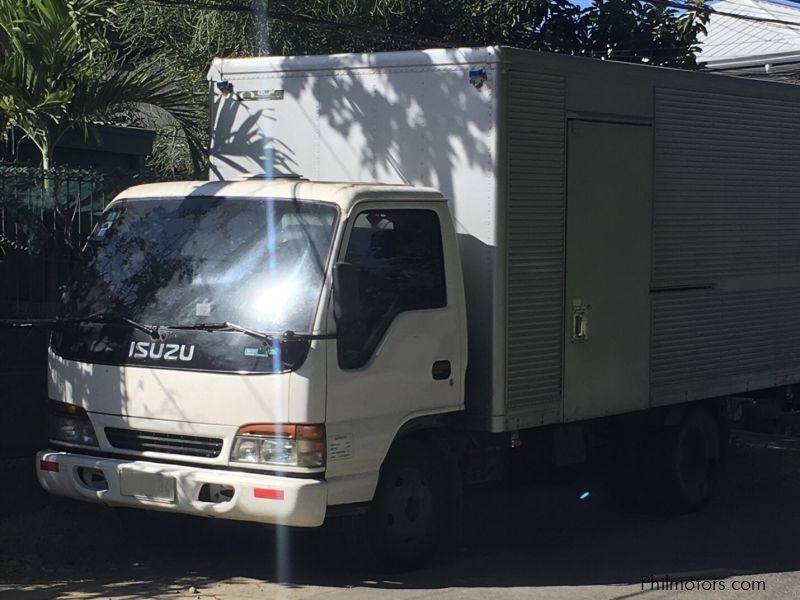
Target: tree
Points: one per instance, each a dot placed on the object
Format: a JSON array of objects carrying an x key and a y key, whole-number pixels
[
  {"x": 310, "y": 26},
  {"x": 182, "y": 38},
  {"x": 656, "y": 32},
  {"x": 181, "y": 41},
  {"x": 651, "y": 32},
  {"x": 58, "y": 71}
]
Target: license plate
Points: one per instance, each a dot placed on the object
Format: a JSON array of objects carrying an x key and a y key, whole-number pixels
[{"x": 147, "y": 486}]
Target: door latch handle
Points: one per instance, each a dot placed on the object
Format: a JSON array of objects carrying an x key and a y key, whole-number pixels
[
  {"x": 441, "y": 369},
  {"x": 580, "y": 321}
]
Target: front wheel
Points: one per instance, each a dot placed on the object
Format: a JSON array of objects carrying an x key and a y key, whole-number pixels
[{"x": 411, "y": 509}]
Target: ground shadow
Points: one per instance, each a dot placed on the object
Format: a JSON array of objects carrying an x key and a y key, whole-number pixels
[{"x": 534, "y": 534}]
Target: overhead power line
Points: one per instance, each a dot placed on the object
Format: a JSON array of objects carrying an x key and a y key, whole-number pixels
[
  {"x": 622, "y": 52},
  {"x": 282, "y": 14},
  {"x": 712, "y": 11}
]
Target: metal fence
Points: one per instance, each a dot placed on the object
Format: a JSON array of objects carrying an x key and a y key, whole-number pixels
[{"x": 44, "y": 220}]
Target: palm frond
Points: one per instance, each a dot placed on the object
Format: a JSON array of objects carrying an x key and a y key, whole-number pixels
[{"x": 56, "y": 75}]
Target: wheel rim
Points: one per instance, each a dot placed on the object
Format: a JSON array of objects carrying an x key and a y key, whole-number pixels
[{"x": 408, "y": 508}]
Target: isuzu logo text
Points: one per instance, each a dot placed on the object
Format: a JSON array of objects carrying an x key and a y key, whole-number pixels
[{"x": 161, "y": 351}]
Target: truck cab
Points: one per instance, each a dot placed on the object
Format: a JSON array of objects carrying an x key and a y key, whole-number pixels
[{"x": 203, "y": 364}]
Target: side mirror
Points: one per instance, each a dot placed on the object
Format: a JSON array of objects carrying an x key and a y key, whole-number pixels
[{"x": 346, "y": 299}]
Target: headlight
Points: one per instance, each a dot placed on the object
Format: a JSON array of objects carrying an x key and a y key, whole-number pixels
[
  {"x": 288, "y": 445},
  {"x": 70, "y": 424}
]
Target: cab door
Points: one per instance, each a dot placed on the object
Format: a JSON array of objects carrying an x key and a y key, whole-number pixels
[{"x": 405, "y": 358}]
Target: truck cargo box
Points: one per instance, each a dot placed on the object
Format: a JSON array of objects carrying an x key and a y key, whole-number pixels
[{"x": 629, "y": 234}]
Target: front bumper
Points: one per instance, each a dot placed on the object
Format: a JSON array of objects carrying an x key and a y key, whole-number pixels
[{"x": 260, "y": 498}]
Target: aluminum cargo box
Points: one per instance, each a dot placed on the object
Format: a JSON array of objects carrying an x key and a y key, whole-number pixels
[{"x": 629, "y": 233}]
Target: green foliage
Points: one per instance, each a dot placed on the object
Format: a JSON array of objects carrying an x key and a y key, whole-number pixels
[
  {"x": 635, "y": 31},
  {"x": 179, "y": 43},
  {"x": 628, "y": 30},
  {"x": 183, "y": 37},
  {"x": 59, "y": 72}
]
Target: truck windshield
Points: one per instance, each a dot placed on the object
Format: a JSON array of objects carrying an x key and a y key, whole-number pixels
[{"x": 183, "y": 261}]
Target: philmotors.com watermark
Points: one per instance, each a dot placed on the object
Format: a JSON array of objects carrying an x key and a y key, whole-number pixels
[{"x": 663, "y": 583}]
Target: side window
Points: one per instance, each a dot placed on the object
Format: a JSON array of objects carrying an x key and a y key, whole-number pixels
[{"x": 398, "y": 257}]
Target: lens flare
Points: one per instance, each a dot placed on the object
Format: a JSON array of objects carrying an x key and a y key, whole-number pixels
[{"x": 271, "y": 304}]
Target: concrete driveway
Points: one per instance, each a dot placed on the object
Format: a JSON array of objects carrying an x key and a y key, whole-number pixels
[{"x": 534, "y": 539}]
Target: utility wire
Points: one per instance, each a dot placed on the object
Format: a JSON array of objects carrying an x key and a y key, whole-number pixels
[
  {"x": 283, "y": 14},
  {"x": 622, "y": 52},
  {"x": 712, "y": 11}
]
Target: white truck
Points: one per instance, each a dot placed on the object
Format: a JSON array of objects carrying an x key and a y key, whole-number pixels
[{"x": 317, "y": 331}]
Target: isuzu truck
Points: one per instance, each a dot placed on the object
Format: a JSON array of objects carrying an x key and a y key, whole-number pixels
[{"x": 405, "y": 266}]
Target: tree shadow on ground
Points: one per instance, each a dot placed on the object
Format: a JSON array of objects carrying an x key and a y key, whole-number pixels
[{"x": 532, "y": 534}]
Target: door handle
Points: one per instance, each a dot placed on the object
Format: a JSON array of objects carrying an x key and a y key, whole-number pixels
[
  {"x": 580, "y": 321},
  {"x": 441, "y": 369}
]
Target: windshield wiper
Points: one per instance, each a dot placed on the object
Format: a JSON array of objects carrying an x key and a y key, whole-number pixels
[
  {"x": 111, "y": 317},
  {"x": 225, "y": 326},
  {"x": 287, "y": 336}
]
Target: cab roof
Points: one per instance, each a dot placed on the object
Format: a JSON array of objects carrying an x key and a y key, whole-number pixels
[{"x": 343, "y": 194}]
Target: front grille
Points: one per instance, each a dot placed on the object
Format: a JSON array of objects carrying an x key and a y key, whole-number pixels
[{"x": 141, "y": 441}]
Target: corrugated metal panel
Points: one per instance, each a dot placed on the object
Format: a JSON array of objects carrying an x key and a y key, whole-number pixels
[
  {"x": 726, "y": 219},
  {"x": 711, "y": 339},
  {"x": 535, "y": 247}
]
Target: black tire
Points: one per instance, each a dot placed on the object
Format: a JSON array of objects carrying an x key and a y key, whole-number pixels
[
  {"x": 413, "y": 508},
  {"x": 687, "y": 462}
]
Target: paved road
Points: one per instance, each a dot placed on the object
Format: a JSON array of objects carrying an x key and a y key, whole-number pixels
[{"x": 536, "y": 539}]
